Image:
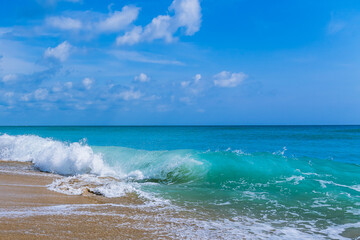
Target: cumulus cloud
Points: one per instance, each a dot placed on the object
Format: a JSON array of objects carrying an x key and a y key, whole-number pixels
[
  {"x": 25, "y": 97},
  {"x": 60, "y": 87},
  {"x": 229, "y": 80},
  {"x": 94, "y": 22},
  {"x": 41, "y": 94},
  {"x": 68, "y": 85},
  {"x": 9, "y": 78},
  {"x": 118, "y": 20},
  {"x": 57, "y": 88},
  {"x": 187, "y": 15},
  {"x": 87, "y": 82},
  {"x": 131, "y": 37},
  {"x": 185, "y": 83},
  {"x": 64, "y": 23},
  {"x": 192, "y": 89},
  {"x": 197, "y": 78},
  {"x": 192, "y": 86},
  {"x": 61, "y": 52},
  {"x": 159, "y": 28},
  {"x": 142, "y": 77},
  {"x": 128, "y": 95}
]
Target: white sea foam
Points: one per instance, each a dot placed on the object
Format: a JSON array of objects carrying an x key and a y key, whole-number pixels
[
  {"x": 52, "y": 156},
  {"x": 85, "y": 167},
  {"x": 177, "y": 226},
  {"x": 323, "y": 185},
  {"x": 295, "y": 180},
  {"x": 75, "y": 159},
  {"x": 280, "y": 152},
  {"x": 77, "y": 185},
  {"x": 104, "y": 186}
]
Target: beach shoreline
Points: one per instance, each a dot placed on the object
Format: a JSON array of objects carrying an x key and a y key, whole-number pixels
[
  {"x": 129, "y": 185},
  {"x": 29, "y": 210}
]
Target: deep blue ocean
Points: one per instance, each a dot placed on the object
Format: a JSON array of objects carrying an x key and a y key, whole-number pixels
[{"x": 303, "y": 179}]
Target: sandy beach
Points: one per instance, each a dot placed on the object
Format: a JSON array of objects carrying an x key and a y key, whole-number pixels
[{"x": 28, "y": 210}]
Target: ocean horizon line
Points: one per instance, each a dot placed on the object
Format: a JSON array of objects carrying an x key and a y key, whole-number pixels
[{"x": 192, "y": 125}]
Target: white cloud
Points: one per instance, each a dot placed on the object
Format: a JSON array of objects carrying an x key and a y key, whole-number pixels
[
  {"x": 64, "y": 23},
  {"x": 185, "y": 83},
  {"x": 60, "y": 87},
  {"x": 142, "y": 77},
  {"x": 227, "y": 79},
  {"x": 26, "y": 97},
  {"x": 57, "y": 88},
  {"x": 119, "y": 19},
  {"x": 61, "y": 52},
  {"x": 68, "y": 85},
  {"x": 187, "y": 15},
  {"x": 193, "y": 86},
  {"x": 197, "y": 78},
  {"x": 159, "y": 28},
  {"x": 94, "y": 22},
  {"x": 9, "y": 78},
  {"x": 192, "y": 89},
  {"x": 131, "y": 37},
  {"x": 87, "y": 82},
  {"x": 41, "y": 94},
  {"x": 130, "y": 95}
]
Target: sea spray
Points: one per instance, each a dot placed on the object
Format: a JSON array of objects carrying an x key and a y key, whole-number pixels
[{"x": 52, "y": 156}]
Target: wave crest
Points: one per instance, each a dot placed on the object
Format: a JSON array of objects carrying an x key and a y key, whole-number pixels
[{"x": 52, "y": 156}]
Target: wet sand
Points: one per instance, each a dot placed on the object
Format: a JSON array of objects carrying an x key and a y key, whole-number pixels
[{"x": 28, "y": 210}]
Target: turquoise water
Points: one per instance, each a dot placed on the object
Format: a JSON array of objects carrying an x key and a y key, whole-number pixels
[{"x": 300, "y": 177}]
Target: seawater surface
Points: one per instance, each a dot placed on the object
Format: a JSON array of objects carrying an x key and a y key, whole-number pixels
[{"x": 280, "y": 182}]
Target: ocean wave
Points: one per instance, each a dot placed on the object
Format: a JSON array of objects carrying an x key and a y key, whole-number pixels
[
  {"x": 228, "y": 169},
  {"x": 269, "y": 186},
  {"x": 52, "y": 156}
]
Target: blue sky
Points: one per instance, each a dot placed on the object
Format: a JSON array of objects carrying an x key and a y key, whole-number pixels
[{"x": 85, "y": 62}]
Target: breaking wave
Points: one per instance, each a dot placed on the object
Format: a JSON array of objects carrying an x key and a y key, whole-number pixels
[
  {"x": 295, "y": 192},
  {"x": 228, "y": 168}
]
